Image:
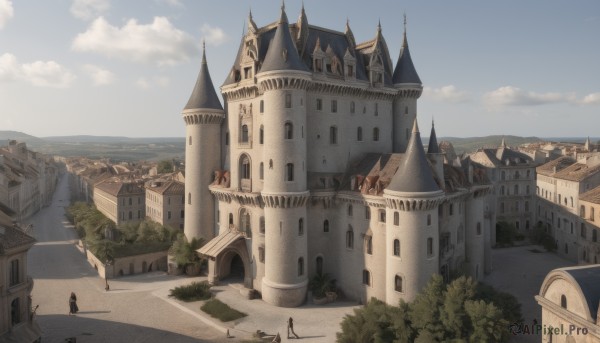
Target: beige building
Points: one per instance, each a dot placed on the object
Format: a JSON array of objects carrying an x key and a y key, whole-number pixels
[
  {"x": 165, "y": 202},
  {"x": 570, "y": 298},
  {"x": 120, "y": 201},
  {"x": 16, "y": 319},
  {"x": 317, "y": 166}
]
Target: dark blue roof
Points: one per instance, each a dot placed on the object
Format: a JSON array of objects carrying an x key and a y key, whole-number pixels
[
  {"x": 433, "y": 147},
  {"x": 405, "y": 71},
  {"x": 588, "y": 279},
  {"x": 282, "y": 53},
  {"x": 204, "y": 94}
]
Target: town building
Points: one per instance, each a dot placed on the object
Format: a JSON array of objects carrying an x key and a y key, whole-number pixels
[
  {"x": 165, "y": 202},
  {"x": 315, "y": 165},
  {"x": 569, "y": 298},
  {"x": 120, "y": 201}
]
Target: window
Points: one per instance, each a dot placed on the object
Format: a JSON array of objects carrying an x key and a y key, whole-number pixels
[
  {"x": 429, "y": 247},
  {"x": 350, "y": 210},
  {"x": 319, "y": 104},
  {"x": 375, "y": 134},
  {"x": 527, "y": 225},
  {"x": 245, "y": 222},
  {"x": 501, "y": 207},
  {"x": 582, "y": 211},
  {"x": 130, "y": 215},
  {"x": 261, "y": 135},
  {"x": 130, "y": 202},
  {"x": 289, "y": 172},
  {"x": 319, "y": 265},
  {"x": 563, "y": 301},
  {"x": 300, "y": 226},
  {"x": 332, "y": 135},
  {"x": 262, "y": 106},
  {"x": 367, "y": 213},
  {"x": 594, "y": 235},
  {"x": 300, "y": 266},
  {"x": 261, "y": 171},
  {"x": 326, "y": 225},
  {"x": 352, "y": 107},
  {"x": 15, "y": 311},
  {"x": 382, "y": 216},
  {"x": 244, "y": 138},
  {"x": 369, "y": 244},
  {"x": 261, "y": 225},
  {"x": 396, "y": 247},
  {"x": 502, "y": 190},
  {"x": 14, "y": 272},
  {"x": 583, "y": 231},
  {"x": 245, "y": 167},
  {"x": 479, "y": 229},
  {"x": 288, "y": 100},
  {"x": 526, "y": 206},
  {"x": 516, "y": 190},
  {"x": 592, "y": 214},
  {"x": 376, "y": 109},
  {"x": 503, "y": 175},
  {"x": 429, "y": 220},
  {"x": 517, "y": 175},
  {"x": 396, "y": 218},
  {"x": 182, "y": 214},
  {"x": 350, "y": 69},
  {"x": 405, "y": 109},
  {"x": 527, "y": 191},
  {"x": 261, "y": 254},
  {"x": 398, "y": 283},
  {"x": 168, "y": 215},
  {"x": 230, "y": 219},
  {"x": 451, "y": 209},
  {"x": 366, "y": 277},
  {"x": 190, "y": 140},
  {"x": 288, "y": 131},
  {"x": 359, "y": 134},
  {"x": 350, "y": 238},
  {"x": 333, "y": 106}
]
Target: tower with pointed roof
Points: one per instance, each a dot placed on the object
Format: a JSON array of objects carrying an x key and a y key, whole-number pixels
[
  {"x": 409, "y": 86},
  {"x": 412, "y": 199},
  {"x": 202, "y": 115}
]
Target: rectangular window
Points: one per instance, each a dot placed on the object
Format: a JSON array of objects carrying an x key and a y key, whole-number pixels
[
  {"x": 319, "y": 104},
  {"x": 429, "y": 247},
  {"x": 288, "y": 101},
  {"x": 14, "y": 272},
  {"x": 333, "y": 106},
  {"x": 382, "y": 216},
  {"x": 169, "y": 215},
  {"x": 262, "y": 106},
  {"x": 350, "y": 69},
  {"x": 261, "y": 254}
]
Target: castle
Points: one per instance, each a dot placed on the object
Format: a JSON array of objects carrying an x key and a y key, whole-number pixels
[{"x": 315, "y": 165}]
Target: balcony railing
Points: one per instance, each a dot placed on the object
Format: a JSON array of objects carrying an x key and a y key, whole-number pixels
[{"x": 246, "y": 185}]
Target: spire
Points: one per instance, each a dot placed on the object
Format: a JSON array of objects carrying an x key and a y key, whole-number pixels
[
  {"x": 587, "y": 144},
  {"x": 350, "y": 35},
  {"x": 503, "y": 144},
  {"x": 302, "y": 31},
  {"x": 251, "y": 24},
  {"x": 414, "y": 174},
  {"x": 204, "y": 94},
  {"x": 405, "y": 71},
  {"x": 282, "y": 53},
  {"x": 433, "y": 147}
]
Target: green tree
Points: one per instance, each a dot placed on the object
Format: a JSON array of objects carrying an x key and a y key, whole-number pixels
[
  {"x": 453, "y": 314},
  {"x": 487, "y": 320},
  {"x": 165, "y": 166},
  {"x": 424, "y": 312},
  {"x": 375, "y": 323}
]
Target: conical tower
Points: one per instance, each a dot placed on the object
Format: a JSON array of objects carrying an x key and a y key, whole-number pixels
[
  {"x": 409, "y": 86},
  {"x": 203, "y": 115},
  {"x": 284, "y": 79},
  {"x": 412, "y": 200}
]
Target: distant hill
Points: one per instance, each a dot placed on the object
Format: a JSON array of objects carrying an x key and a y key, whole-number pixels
[
  {"x": 19, "y": 136},
  {"x": 113, "y": 139},
  {"x": 470, "y": 144}
]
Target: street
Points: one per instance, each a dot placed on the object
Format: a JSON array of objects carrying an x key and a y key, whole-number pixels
[{"x": 130, "y": 312}]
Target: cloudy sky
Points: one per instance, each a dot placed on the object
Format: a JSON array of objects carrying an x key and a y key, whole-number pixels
[{"x": 127, "y": 67}]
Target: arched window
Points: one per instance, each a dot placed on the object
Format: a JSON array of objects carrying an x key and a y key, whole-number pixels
[
  {"x": 261, "y": 135},
  {"x": 396, "y": 247},
  {"x": 261, "y": 225},
  {"x": 366, "y": 277},
  {"x": 300, "y": 226},
  {"x": 319, "y": 265},
  {"x": 244, "y": 137},
  {"x": 396, "y": 218},
  {"x": 245, "y": 167},
  {"x": 359, "y": 134},
  {"x": 369, "y": 244},
  {"x": 350, "y": 238},
  {"x": 245, "y": 222},
  {"x": 375, "y": 134},
  {"x": 261, "y": 171},
  {"x": 333, "y": 135},
  {"x": 398, "y": 284},
  {"x": 326, "y": 225},
  {"x": 288, "y": 130},
  {"x": 289, "y": 172},
  {"x": 300, "y": 266},
  {"x": 350, "y": 210},
  {"x": 563, "y": 301}
]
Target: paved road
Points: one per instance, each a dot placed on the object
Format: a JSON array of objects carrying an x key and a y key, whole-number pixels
[{"x": 131, "y": 313}]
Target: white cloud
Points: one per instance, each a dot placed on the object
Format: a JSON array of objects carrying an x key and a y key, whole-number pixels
[
  {"x": 159, "y": 42},
  {"x": 447, "y": 94},
  {"x": 38, "y": 73},
  {"x": 88, "y": 9},
  {"x": 174, "y": 3},
  {"x": 158, "y": 81},
  {"x": 6, "y": 12},
  {"x": 213, "y": 35},
  {"x": 513, "y": 96},
  {"x": 99, "y": 76}
]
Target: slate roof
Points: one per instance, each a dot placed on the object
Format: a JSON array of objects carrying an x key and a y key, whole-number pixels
[
  {"x": 11, "y": 237},
  {"x": 282, "y": 53},
  {"x": 204, "y": 94},
  {"x": 592, "y": 195},
  {"x": 414, "y": 174},
  {"x": 433, "y": 147},
  {"x": 503, "y": 156},
  {"x": 588, "y": 279},
  {"x": 167, "y": 187},
  {"x": 405, "y": 71}
]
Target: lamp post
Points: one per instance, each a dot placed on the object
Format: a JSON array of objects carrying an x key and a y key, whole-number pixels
[{"x": 106, "y": 265}]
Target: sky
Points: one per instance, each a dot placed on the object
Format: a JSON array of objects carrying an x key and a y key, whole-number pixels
[{"x": 127, "y": 67}]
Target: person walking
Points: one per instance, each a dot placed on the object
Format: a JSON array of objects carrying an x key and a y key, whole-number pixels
[
  {"x": 291, "y": 328},
  {"x": 73, "y": 304}
]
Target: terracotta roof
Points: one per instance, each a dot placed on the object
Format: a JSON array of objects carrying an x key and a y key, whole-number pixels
[
  {"x": 555, "y": 165},
  {"x": 118, "y": 187},
  {"x": 592, "y": 195},
  {"x": 11, "y": 237},
  {"x": 166, "y": 187},
  {"x": 577, "y": 172}
]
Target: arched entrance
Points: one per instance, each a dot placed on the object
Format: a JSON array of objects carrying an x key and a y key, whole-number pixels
[
  {"x": 231, "y": 267},
  {"x": 228, "y": 259}
]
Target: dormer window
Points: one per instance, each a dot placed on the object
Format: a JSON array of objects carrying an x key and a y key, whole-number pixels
[
  {"x": 319, "y": 65},
  {"x": 350, "y": 71},
  {"x": 247, "y": 72}
]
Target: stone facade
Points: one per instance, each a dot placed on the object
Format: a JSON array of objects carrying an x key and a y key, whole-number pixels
[
  {"x": 165, "y": 203},
  {"x": 122, "y": 202},
  {"x": 320, "y": 172}
]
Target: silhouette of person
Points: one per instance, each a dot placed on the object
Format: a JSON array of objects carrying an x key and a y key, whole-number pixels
[
  {"x": 73, "y": 304},
  {"x": 291, "y": 327}
]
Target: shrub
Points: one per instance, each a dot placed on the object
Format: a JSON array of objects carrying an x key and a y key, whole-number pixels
[
  {"x": 192, "y": 292},
  {"x": 321, "y": 284},
  {"x": 222, "y": 311}
]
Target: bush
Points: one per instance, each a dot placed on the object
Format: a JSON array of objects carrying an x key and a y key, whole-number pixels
[
  {"x": 540, "y": 236},
  {"x": 222, "y": 311},
  {"x": 193, "y": 292},
  {"x": 320, "y": 284},
  {"x": 506, "y": 234}
]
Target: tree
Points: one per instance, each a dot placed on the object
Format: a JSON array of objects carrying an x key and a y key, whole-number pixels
[
  {"x": 376, "y": 322},
  {"x": 320, "y": 284},
  {"x": 453, "y": 314},
  {"x": 165, "y": 166},
  {"x": 488, "y": 323},
  {"x": 505, "y": 233},
  {"x": 424, "y": 312}
]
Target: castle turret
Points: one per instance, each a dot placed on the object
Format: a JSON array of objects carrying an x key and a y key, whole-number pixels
[
  {"x": 436, "y": 157},
  {"x": 203, "y": 115},
  {"x": 409, "y": 86},
  {"x": 412, "y": 234},
  {"x": 284, "y": 79}
]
